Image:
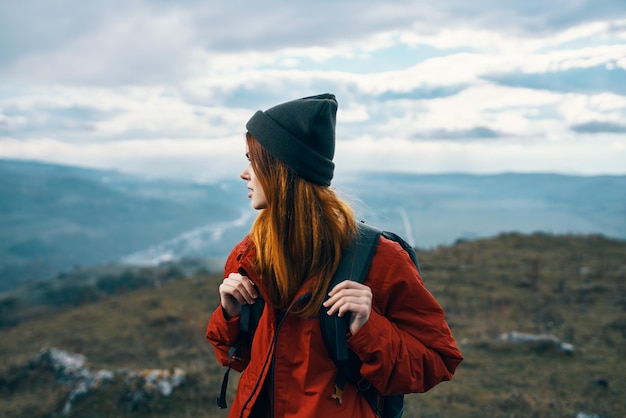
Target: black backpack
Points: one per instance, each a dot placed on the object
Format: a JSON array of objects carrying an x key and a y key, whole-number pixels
[{"x": 354, "y": 265}]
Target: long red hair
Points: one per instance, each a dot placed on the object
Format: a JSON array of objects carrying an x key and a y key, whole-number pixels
[{"x": 299, "y": 235}]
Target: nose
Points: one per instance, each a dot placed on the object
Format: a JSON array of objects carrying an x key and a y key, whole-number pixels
[{"x": 245, "y": 174}]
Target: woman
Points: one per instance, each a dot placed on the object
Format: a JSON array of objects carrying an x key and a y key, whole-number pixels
[{"x": 397, "y": 328}]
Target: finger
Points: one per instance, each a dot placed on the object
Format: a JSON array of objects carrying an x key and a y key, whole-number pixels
[
  {"x": 350, "y": 308},
  {"x": 246, "y": 282},
  {"x": 356, "y": 308},
  {"x": 344, "y": 293},
  {"x": 250, "y": 288},
  {"x": 243, "y": 285},
  {"x": 226, "y": 290},
  {"x": 347, "y": 284},
  {"x": 235, "y": 288},
  {"x": 356, "y": 304}
]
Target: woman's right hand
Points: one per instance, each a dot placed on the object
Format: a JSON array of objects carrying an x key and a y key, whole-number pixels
[{"x": 236, "y": 290}]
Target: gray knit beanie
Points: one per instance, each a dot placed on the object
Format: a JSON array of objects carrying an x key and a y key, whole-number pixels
[{"x": 300, "y": 134}]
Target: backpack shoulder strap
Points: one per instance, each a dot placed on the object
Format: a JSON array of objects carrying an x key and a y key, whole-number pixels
[
  {"x": 248, "y": 321},
  {"x": 357, "y": 258},
  {"x": 354, "y": 265}
]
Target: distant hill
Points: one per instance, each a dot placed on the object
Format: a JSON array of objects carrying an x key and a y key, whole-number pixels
[
  {"x": 431, "y": 210},
  {"x": 53, "y": 218}
]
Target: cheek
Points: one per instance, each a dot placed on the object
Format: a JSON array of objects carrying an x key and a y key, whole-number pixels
[{"x": 261, "y": 196}]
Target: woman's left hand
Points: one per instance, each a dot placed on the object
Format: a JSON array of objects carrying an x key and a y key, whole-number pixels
[{"x": 353, "y": 297}]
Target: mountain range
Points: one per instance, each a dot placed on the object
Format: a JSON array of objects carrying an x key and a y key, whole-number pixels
[{"x": 54, "y": 218}]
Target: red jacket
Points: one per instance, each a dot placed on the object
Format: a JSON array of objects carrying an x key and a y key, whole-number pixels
[{"x": 406, "y": 346}]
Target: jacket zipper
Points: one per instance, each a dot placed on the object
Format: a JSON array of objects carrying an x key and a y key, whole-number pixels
[
  {"x": 275, "y": 340},
  {"x": 273, "y": 357},
  {"x": 243, "y": 272}
]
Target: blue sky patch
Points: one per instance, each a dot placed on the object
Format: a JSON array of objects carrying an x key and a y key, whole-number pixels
[
  {"x": 579, "y": 80},
  {"x": 597, "y": 127}
]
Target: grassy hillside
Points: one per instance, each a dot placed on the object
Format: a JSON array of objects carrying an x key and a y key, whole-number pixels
[{"x": 569, "y": 286}]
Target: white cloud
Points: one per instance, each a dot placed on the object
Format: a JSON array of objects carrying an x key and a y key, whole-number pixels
[
  {"x": 167, "y": 88},
  {"x": 137, "y": 48},
  {"x": 195, "y": 158},
  {"x": 577, "y": 109},
  {"x": 579, "y": 155}
]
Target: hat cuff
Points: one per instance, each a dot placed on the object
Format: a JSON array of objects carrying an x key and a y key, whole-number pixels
[{"x": 289, "y": 150}]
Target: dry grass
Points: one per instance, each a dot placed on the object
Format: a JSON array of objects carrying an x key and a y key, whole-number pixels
[{"x": 572, "y": 287}]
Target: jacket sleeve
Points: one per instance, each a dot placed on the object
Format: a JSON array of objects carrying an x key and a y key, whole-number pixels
[
  {"x": 223, "y": 332},
  {"x": 406, "y": 345}
]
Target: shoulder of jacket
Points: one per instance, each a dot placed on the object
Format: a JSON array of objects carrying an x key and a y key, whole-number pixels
[
  {"x": 391, "y": 257},
  {"x": 389, "y": 249},
  {"x": 244, "y": 251},
  {"x": 244, "y": 245}
]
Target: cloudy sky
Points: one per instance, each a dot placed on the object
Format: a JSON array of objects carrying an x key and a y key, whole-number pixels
[{"x": 165, "y": 88}]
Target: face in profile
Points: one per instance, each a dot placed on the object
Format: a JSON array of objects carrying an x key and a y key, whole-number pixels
[{"x": 255, "y": 191}]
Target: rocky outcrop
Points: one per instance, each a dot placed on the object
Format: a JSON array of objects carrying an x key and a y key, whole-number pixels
[
  {"x": 138, "y": 387},
  {"x": 71, "y": 369},
  {"x": 537, "y": 342},
  {"x": 586, "y": 415}
]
